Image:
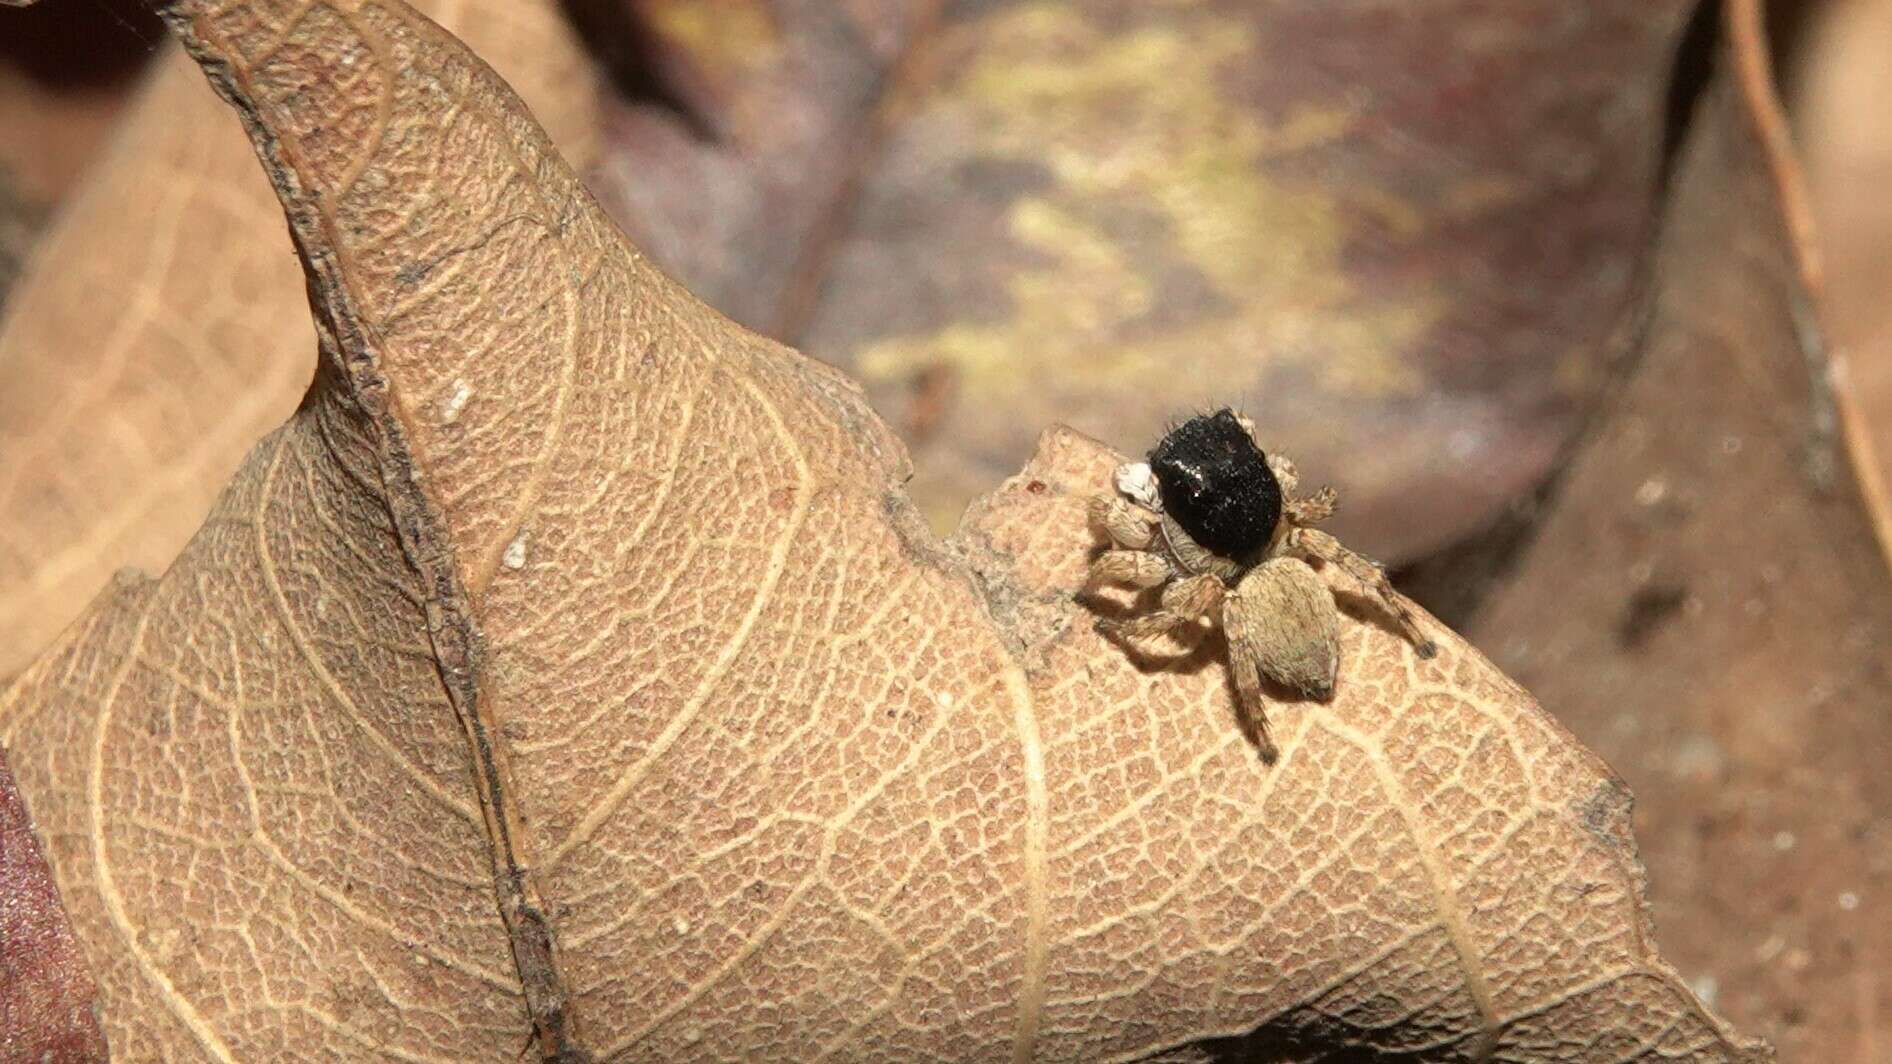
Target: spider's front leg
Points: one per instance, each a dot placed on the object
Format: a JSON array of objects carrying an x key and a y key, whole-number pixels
[
  {"x": 1184, "y": 602},
  {"x": 1132, "y": 568},
  {"x": 1283, "y": 469},
  {"x": 1130, "y": 529},
  {"x": 1127, "y": 524},
  {"x": 1314, "y": 509},
  {"x": 1320, "y": 545}
]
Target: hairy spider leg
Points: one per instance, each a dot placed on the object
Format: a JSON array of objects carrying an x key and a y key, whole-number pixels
[
  {"x": 1134, "y": 568},
  {"x": 1184, "y": 602},
  {"x": 1314, "y": 509},
  {"x": 1127, "y": 524},
  {"x": 1254, "y": 705},
  {"x": 1319, "y": 545},
  {"x": 1281, "y": 466}
]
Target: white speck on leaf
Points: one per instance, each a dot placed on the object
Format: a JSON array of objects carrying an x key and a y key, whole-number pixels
[
  {"x": 515, "y": 556},
  {"x": 455, "y": 402}
]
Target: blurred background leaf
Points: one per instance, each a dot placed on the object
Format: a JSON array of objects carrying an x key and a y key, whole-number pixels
[{"x": 1402, "y": 236}]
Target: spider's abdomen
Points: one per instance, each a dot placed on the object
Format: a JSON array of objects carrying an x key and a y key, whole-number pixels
[{"x": 1217, "y": 485}]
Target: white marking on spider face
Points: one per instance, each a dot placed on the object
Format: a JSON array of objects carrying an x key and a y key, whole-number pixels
[
  {"x": 455, "y": 402},
  {"x": 1138, "y": 482},
  {"x": 515, "y": 556}
]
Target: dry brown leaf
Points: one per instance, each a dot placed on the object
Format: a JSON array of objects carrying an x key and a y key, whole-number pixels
[
  {"x": 47, "y": 1000},
  {"x": 164, "y": 329},
  {"x": 573, "y": 663},
  {"x": 1723, "y": 606}
]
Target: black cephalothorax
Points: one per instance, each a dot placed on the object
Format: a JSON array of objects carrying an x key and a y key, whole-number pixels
[{"x": 1215, "y": 482}]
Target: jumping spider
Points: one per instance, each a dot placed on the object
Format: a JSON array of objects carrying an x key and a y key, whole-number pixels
[{"x": 1215, "y": 523}]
